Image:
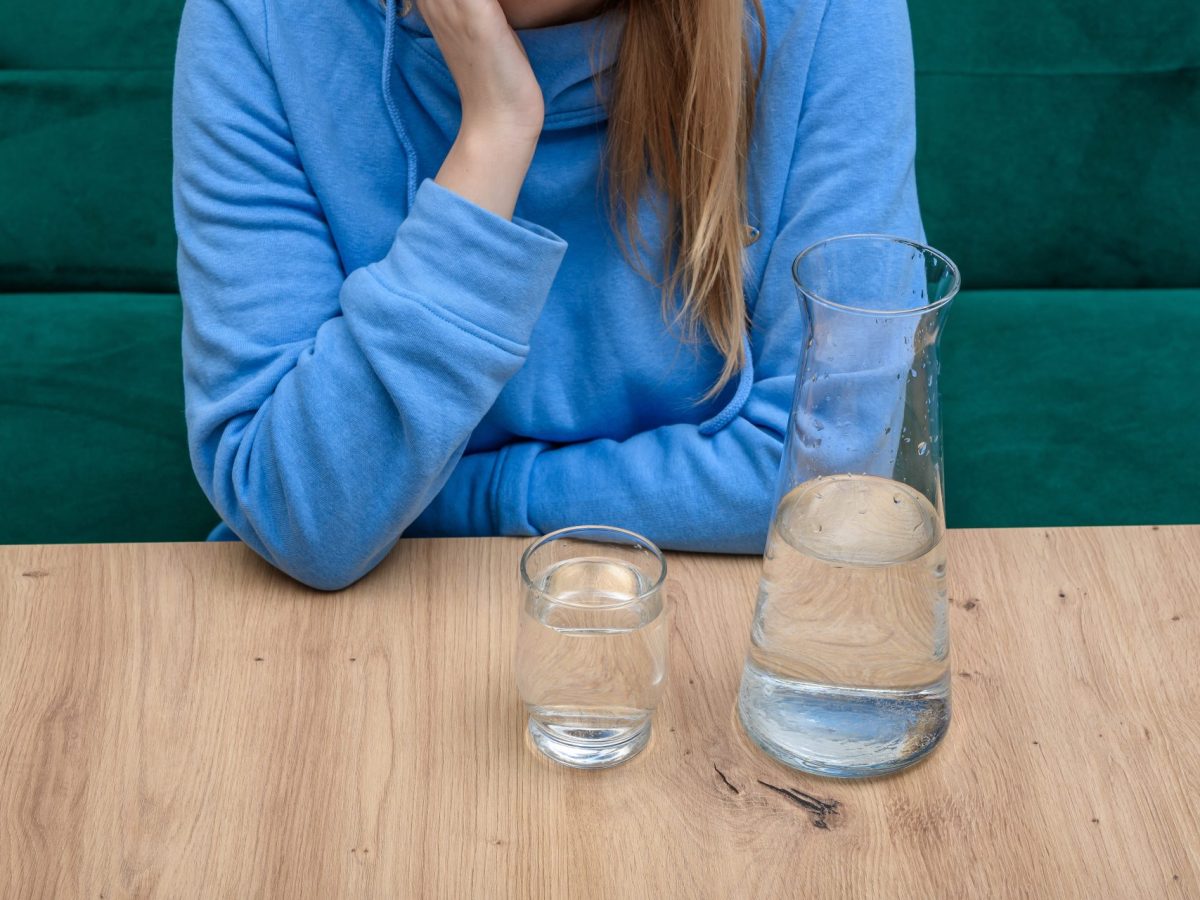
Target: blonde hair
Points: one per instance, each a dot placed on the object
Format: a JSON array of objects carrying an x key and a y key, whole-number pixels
[{"x": 680, "y": 118}]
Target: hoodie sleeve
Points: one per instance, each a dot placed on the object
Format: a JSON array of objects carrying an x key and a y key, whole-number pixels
[
  {"x": 325, "y": 410},
  {"x": 851, "y": 171}
]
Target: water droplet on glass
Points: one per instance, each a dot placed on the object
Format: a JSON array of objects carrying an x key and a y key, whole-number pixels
[
  {"x": 912, "y": 373},
  {"x": 908, "y": 440},
  {"x": 896, "y": 499},
  {"x": 888, "y": 430},
  {"x": 922, "y": 448}
]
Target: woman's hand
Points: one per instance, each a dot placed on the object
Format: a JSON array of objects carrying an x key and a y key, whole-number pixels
[
  {"x": 502, "y": 105},
  {"x": 499, "y": 94}
]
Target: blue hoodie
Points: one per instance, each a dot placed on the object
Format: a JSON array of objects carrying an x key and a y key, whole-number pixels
[{"x": 368, "y": 355}]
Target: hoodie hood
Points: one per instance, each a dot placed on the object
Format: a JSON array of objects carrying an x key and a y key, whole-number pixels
[{"x": 571, "y": 63}]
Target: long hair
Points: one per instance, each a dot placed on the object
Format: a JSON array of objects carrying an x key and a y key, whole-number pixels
[{"x": 680, "y": 118}]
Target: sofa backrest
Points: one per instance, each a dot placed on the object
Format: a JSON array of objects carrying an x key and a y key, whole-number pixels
[
  {"x": 85, "y": 144},
  {"x": 1059, "y": 141}
]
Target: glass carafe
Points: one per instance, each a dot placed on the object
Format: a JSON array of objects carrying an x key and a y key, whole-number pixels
[{"x": 848, "y": 670}]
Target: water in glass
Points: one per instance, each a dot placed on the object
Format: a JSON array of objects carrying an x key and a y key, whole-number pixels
[{"x": 591, "y": 659}]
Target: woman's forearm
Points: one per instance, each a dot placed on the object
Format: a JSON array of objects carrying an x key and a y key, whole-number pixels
[
  {"x": 502, "y": 105},
  {"x": 488, "y": 168}
]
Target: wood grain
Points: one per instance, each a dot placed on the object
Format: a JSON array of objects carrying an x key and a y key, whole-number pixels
[{"x": 179, "y": 720}]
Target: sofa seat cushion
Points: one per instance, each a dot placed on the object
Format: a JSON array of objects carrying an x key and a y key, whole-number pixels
[
  {"x": 92, "y": 434},
  {"x": 1059, "y": 408},
  {"x": 1072, "y": 408}
]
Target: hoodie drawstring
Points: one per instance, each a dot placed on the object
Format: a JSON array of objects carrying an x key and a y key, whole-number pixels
[
  {"x": 734, "y": 407},
  {"x": 389, "y": 43}
]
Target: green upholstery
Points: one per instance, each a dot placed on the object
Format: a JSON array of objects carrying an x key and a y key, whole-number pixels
[
  {"x": 91, "y": 421},
  {"x": 1059, "y": 141},
  {"x": 1060, "y": 408},
  {"x": 1072, "y": 408},
  {"x": 89, "y": 34},
  {"x": 85, "y": 181},
  {"x": 85, "y": 145}
]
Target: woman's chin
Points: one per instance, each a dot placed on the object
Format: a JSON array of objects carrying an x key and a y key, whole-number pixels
[{"x": 543, "y": 13}]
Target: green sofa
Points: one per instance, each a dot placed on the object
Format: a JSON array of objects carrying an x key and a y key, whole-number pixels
[{"x": 1059, "y": 149}]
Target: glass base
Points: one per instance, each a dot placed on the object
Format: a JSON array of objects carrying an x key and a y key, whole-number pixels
[
  {"x": 842, "y": 732},
  {"x": 588, "y": 754}
]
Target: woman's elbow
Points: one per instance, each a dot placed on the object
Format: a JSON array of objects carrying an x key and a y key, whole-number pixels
[
  {"x": 296, "y": 531},
  {"x": 320, "y": 550},
  {"x": 321, "y": 579},
  {"x": 329, "y": 565}
]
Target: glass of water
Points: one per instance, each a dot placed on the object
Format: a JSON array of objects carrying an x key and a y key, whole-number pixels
[{"x": 591, "y": 656}]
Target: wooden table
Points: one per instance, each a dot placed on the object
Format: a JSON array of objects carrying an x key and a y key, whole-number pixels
[{"x": 179, "y": 720}]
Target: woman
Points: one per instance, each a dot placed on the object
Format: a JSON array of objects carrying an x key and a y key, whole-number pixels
[{"x": 444, "y": 277}]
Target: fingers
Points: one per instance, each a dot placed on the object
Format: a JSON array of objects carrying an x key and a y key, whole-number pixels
[{"x": 465, "y": 20}]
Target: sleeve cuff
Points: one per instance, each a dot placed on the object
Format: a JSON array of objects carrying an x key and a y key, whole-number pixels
[
  {"x": 469, "y": 263},
  {"x": 513, "y": 484}
]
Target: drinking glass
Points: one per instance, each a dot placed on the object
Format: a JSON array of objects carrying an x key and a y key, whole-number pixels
[
  {"x": 848, "y": 671},
  {"x": 591, "y": 656}
]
